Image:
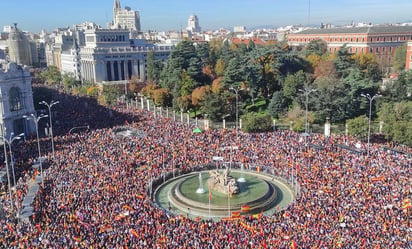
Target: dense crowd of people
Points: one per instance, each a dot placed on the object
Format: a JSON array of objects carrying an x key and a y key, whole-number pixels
[{"x": 95, "y": 192}]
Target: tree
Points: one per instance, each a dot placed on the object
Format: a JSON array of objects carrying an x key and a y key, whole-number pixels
[
  {"x": 162, "y": 97},
  {"x": 212, "y": 105},
  {"x": 217, "y": 86},
  {"x": 135, "y": 85},
  {"x": 220, "y": 67},
  {"x": 254, "y": 122},
  {"x": 233, "y": 74},
  {"x": 326, "y": 68},
  {"x": 69, "y": 81},
  {"x": 318, "y": 47},
  {"x": 188, "y": 85},
  {"x": 278, "y": 105},
  {"x": 399, "y": 59},
  {"x": 330, "y": 99},
  {"x": 296, "y": 115},
  {"x": 149, "y": 89},
  {"x": 154, "y": 67},
  {"x": 397, "y": 118},
  {"x": 314, "y": 60},
  {"x": 110, "y": 94},
  {"x": 195, "y": 68},
  {"x": 293, "y": 82},
  {"x": 199, "y": 94},
  {"x": 358, "y": 127},
  {"x": 52, "y": 75},
  {"x": 368, "y": 64},
  {"x": 399, "y": 89},
  {"x": 344, "y": 61}
]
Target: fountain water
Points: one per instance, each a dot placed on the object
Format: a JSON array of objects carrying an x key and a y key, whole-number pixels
[
  {"x": 242, "y": 169},
  {"x": 200, "y": 189}
]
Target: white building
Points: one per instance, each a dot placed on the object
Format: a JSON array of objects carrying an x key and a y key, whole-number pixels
[
  {"x": 193, "y": 24},
  {"x": 7, "y": 29},
  {"x": 111, "y": 56},
  {"x": 239, "y": 29},
  {"x": 70, "y": 61},
  {"x": 16, "y": 98},
  {"x": 125, "y": 18}
]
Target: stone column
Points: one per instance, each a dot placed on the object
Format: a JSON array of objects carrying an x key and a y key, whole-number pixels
[
  {"x": 112, "y": 70},
  {"x": 327, "y": 128},
  {"x": 380, "y": 127}
]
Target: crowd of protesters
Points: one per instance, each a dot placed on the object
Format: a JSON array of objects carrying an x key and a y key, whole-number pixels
[{"x": 95, "y": 192}]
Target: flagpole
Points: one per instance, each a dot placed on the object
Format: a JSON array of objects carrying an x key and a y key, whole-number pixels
[
  {"x": 210, "y": 197},
  {"x": 228, "y": 203}
]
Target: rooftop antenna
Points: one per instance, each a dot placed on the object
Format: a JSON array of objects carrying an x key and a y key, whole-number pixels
[{"x": 309, "y": 14}]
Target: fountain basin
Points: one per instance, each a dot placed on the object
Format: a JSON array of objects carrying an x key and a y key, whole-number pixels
[{"x": 259, "y": 192}]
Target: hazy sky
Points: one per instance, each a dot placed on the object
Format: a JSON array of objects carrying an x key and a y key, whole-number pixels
[{"x": 163, "y": 15}]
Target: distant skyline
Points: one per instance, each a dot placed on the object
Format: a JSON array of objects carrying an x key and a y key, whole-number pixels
[{"x": 165, "y": 15}]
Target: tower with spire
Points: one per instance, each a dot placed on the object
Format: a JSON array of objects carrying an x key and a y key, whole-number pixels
[
  {"x": 125, "y": 18},
  {"x": 116, "y": 7}
]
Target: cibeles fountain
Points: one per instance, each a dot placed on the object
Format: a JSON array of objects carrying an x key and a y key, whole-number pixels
[
  {"x": 218, "y": 193},
  {"x": 223, "y": 183}
]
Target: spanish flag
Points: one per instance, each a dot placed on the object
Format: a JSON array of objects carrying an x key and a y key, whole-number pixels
[
  {"x": 235, "y": 214},
  {"x": 293, "y": 245},
  {"x": 134, "y": 233},
  {"x": 127, "y": 207},
  {"x": 379, "y": 178},
  {"x": 246, "y": 208},
  {"x": 406, "y": 204}
]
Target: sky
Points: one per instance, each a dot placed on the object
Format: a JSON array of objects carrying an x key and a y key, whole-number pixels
[{"x": 165, "y": 15}]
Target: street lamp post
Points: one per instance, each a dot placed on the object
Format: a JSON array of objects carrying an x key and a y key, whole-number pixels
[
  {"x": 306, "y": 91},
  {"x": 188, "y": 117},
  {"x": 49, "y": 106},
  {"x": 237, "y": 108},
  {"x": 7, "y": 166},
  {"x": 370, "y": 113},
  {"x": 9, "y": 143},
  {"x": 224, "y": 120},
  {"x": 36, "y": 122}
]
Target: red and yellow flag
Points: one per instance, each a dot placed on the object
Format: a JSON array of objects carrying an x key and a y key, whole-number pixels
[
  {"x": 235, "y": 214},
  {"x": 245, "y": 208},
  {"x": 293, "y": 245}
]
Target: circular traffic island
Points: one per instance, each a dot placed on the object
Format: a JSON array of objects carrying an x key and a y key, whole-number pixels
[{"x": 194, "y": 194}]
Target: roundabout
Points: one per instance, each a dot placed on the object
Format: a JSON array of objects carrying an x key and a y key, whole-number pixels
[{"x": 193, "y": 195}]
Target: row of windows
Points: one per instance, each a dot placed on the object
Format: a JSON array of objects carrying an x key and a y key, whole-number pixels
[
  {"x": 371, "y": 50},
  {"x": 357, "y": 39},
  {"x": 112, "y": 38}
]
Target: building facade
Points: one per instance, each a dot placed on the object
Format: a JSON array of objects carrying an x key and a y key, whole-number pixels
[
  {"x": 70, "y": 61},
  {"x": 19, "y": 47},
  {"x": 16, "y": 99},
  {"x": 111, "y": 56},
  {"x": 408, "y": 64},
  {"x": 380, "y": 40}
]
